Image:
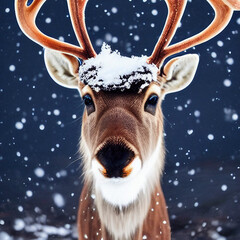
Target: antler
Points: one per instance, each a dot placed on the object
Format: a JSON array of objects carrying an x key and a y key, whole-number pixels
[
  {"x": 223, "y": 13},
  {"x": 26, "y": 16},
  {"x": 77, "y": 9},
  {"x": 175, "y": 12}
]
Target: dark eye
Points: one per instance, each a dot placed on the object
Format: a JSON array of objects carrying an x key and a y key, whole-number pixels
[
  {"x": 88, "y": 101},
  {"x": 151, "y": 104}
]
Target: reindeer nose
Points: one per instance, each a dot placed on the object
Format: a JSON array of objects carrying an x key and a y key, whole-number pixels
[{"x": 115, "y": 158}]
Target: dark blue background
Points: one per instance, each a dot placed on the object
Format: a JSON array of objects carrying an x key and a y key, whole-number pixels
[{"x": 28, "y": 95}]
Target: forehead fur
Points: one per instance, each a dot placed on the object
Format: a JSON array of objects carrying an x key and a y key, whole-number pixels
[{"x": 109, "y": 71}]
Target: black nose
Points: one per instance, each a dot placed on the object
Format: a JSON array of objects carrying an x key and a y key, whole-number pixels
[{"x": 114, "y": 158}]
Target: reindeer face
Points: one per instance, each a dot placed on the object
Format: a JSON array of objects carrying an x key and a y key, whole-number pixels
[
  {"x": 120, "y": 127},
  {"x": 121, "y": 131},
  {"x": 122, "y": 117},
  {"x": 119, "y": 104},
  {"x": 122, "y": 123}
]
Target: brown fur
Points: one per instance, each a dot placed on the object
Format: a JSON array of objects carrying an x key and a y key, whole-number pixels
[
  {"x": 121, "y": 116},
  {"x": 155, "y": 226}
]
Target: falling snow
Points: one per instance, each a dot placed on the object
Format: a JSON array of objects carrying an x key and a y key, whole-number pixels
[
  {"x": 114, "y": 10},
  {"x": 154, "y": 12},
  {"x": 19, "y": 125},
  {"x": 29, "y": 193},
  {"x": 58, "y": 200},
  {"x": 224, "y": 188},
  {"x": 230, "y": 61},
  {"x": 220, "y": 43},
  {"x": 39, "y": 172},
  {"x": 56, "y": 112},
  {"x": 41, "y": 127},
  {"x": 12, "y": 68},
  {"x": 210, "y": 137},
  {"x": 227, "y": 83},
  {"x": 48, "y": 20}
]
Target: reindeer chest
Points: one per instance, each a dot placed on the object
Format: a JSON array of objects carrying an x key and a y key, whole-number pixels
[{"x": 155, "y": 226}]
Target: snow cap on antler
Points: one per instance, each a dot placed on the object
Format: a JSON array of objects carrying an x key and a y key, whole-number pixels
[{"x": 110, "y": 71}]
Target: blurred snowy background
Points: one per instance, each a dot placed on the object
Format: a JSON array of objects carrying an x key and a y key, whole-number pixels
[{"x": 40, "y": 122}]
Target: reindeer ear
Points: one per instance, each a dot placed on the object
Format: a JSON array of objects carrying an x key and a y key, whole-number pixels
[
  {"x": 62, "y": 68},
  {"x": 179, "y": 72}
]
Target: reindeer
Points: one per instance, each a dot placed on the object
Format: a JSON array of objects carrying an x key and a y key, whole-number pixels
[{"x": 122, "y": 128}]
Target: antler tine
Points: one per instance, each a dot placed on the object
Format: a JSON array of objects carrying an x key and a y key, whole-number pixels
[
  {"x": 175, "y": 12},
  {"x": 223, "y": 13},
  {"x": 26, "y": 16},
  {"x": 77, "y": 12}
]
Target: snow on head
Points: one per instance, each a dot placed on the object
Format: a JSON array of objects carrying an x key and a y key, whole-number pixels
[{"x": 110, "y": 71}]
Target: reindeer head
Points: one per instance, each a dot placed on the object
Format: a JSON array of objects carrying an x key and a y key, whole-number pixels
[{"x": 122, "y": 128}]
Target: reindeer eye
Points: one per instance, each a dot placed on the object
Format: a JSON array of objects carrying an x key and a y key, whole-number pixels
[
  {"x": 151, "y": 104},
  {"x": 88, "y": 101}
]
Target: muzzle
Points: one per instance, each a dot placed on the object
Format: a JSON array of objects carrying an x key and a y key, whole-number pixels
[{"x": 115, "y": 158}]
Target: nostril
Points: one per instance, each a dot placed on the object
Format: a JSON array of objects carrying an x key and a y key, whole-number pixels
[{"x": 114, "y": 158}]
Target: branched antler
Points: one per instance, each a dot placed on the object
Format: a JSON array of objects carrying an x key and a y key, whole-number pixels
[
  {"x": 77, "y": 10},
  {"x": 223, "y": 13},
  {"x": 175, "y": 12},
  {"x": 26, "y": 16}
]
